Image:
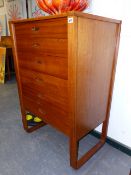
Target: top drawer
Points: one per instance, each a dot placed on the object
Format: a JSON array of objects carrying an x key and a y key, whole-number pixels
[{"x": 48, "y": 28}]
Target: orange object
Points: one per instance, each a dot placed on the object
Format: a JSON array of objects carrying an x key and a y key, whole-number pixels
[{"x": 61, "y": 6}]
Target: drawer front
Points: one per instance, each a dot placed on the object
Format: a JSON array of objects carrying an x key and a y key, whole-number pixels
[
  {"x": 48, "y": 28},
  {"x": 48, "y": 46},
  {"x": 44, "y": 55},
  {"x": 49, "y": 113},
  {"x": 41, "y": 86},
  {"x": 48, "y": 65},
  {"x": 43, "y": 63}
]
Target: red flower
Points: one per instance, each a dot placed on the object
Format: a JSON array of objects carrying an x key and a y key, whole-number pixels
[{"x": 60, "y": 6}]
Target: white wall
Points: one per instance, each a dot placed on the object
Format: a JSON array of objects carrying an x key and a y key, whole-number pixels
[
  {"x": 2, "y": 11},
  {"x": 120, "y": 116}
]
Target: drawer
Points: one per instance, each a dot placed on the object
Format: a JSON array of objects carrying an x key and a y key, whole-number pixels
[
  {"x": 41, "y": 86},
  {"x": 51, "y": 28},
  {"x": 47, "y": 46},
  {"x": 49, "y": 113},
  {"x": 51, "y": 65}
]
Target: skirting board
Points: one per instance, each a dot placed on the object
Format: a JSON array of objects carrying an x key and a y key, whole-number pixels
[{"x": 113, "y": 143}]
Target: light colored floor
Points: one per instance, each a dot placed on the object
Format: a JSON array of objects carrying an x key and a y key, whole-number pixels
[{"x": 45, "y": 152}]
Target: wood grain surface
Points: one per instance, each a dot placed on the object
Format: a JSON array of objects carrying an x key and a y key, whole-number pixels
[{"x": 65, "y": 67}]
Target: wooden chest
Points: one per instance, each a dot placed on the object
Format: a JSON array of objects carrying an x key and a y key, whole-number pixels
[{"x": 65, "y": 66}]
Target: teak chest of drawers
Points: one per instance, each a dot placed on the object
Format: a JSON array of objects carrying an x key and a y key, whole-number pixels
[{"x": 65, "y": 67}]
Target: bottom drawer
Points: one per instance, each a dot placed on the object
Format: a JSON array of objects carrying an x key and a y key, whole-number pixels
[{"x": 49, "y": 113}]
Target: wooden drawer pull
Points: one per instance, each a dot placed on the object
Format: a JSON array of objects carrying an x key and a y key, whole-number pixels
[
  {"x": 35, "y": 28},
  {"x": 40, "y": 95},
  {"x": 39, "y": 62},
  {"x": 39, "y": 79},
  {"x": 35, "y": 45}
]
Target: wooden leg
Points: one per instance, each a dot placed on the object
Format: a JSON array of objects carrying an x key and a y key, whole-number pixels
[
  {"x": 74, "y": 148},
  {"x": 104, "y": 130}
]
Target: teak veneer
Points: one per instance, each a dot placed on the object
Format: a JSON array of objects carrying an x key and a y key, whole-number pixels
[{"x": 65, "y": 66}]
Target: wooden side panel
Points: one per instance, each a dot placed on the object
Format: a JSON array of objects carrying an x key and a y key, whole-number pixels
[{"x": 96, "y": 49}]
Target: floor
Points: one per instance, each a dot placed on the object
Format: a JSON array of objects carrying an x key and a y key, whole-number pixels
[{"x": 45, "y": 151}]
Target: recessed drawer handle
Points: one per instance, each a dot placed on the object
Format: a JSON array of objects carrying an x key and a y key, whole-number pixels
[
  {"x": 39, "y": 79},
  {"x": 39, "y": 62},
  {"x": 35, "y": 45},
  {"x": 41, "y": 111},
  {"x": 40, "y": 95},
  {"x": 35, "y": 28},
  {"x": 38, "y": 102}
]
